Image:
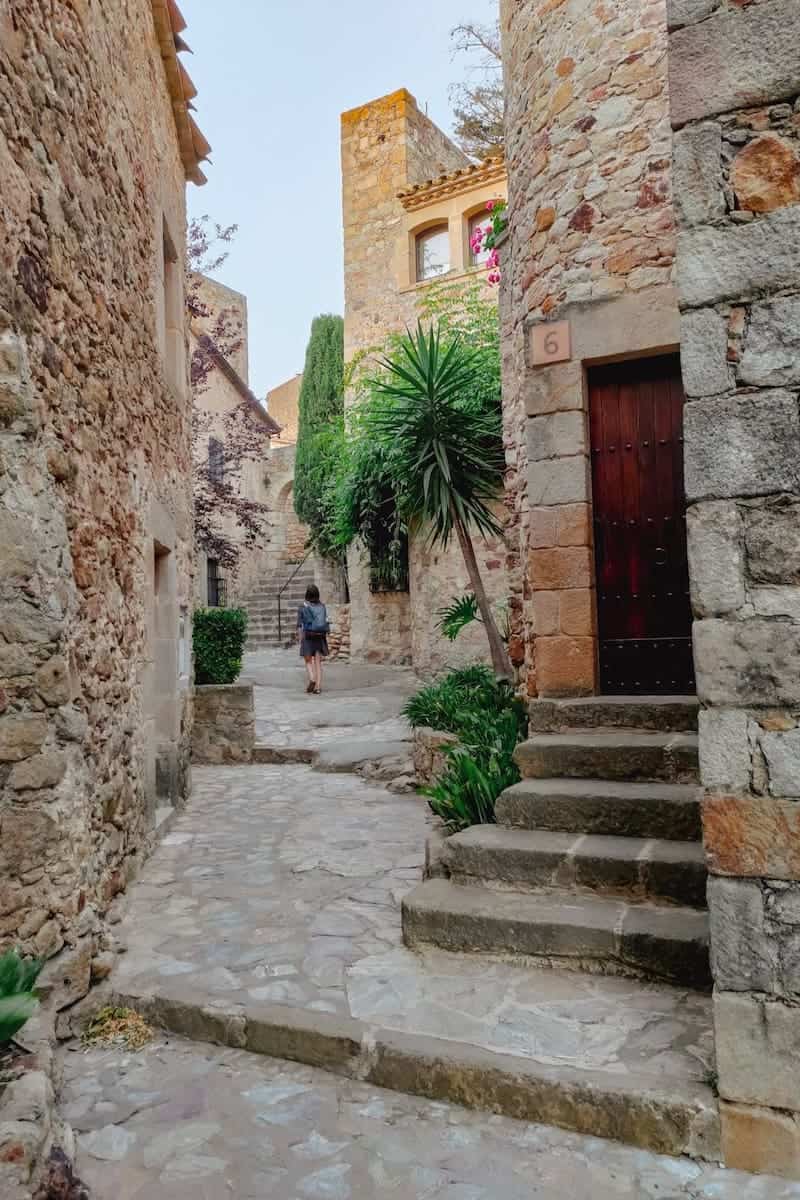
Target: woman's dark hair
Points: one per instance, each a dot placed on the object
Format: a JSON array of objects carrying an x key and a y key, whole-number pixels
[{"x": 312, "y": 594}]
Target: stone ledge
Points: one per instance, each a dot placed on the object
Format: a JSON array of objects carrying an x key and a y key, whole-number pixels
[
  {"x": 224, "y": 723},
  {"x": 643, "y": 1111}
]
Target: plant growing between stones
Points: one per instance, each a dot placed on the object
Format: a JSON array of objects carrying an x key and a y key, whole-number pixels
[
  {"x": 219, "y": 636},
  {"x": 18, "y": 1000},
  {"x": 448, "y": 448}
]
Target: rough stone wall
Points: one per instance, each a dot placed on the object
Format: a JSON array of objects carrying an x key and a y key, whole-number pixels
[
  {"x": 387, "y": 146},
  {"x": 339, "y": 636},
  {"x": 734, "y": 84},
  {"x": 95, "y": 517},
  {"x": 591, "y": 240},
  {"x": 224, "y": 729}
]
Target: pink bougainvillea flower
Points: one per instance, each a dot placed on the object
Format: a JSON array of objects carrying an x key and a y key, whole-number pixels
[
  {"x": 493, "y": 277},
  {"x": 490, "y": 205},
  {"x": 493, "y": 260}
]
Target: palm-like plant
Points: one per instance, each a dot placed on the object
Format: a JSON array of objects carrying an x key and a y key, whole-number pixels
[{"x": 448, "y": 447}]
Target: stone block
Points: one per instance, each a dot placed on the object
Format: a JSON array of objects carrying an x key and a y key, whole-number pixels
[
  {"x": 704, "y": 352},
  {"x": 543, "y": 528},
  {"x": 224, "y": 724},
  {"x": 758, "y": 1048},
  {"x": 697, "y": 175},
  {"x": 41, "y": 771},
  {"x": 716, "y": 561},
  {"x": 776, "y": 602},
  {"x": 556, "y": 435},
  {"x": 743, "y": 956},
  {"x": 573, "y": 525},
  {"x": 66, "y": 978},
  {"x": 754, "y": 662},
  {"x": 577, "y": 612},
  {"x": 739, "y": 262},
  {"x": 752, "y": 836},
  {"x": 772, "y": 540},
  {"x": 766, "y": 174},
  {"x": 782, "y": 752},
  {"x": 560, "y": 567},
  {"x": 686, "y": 12},
  {"x": 553, "y": 389},
  {"x": 565, "y": 666},
  {"x": 559, "y": 481},
  {"x": 734, "y": 59},
  {"x": 545, "y": 614},
  {"x": 771, "y": 355},
  {"x": 21, "y": 736},
  {"x": 760, "y": 1140},
  {"x": 742, "y": 446},
  {"x": 724, "y": 749}
]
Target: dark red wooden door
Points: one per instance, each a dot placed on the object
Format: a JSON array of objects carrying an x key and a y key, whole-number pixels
[{"x": 644, "y": 617}]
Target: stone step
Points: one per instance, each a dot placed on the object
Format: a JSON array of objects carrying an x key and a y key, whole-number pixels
[
  {"x": 639, "y": 869},
  {"x": 624, "y": 809},
  {"x": 609, "y": 755},
  {"x": 661, "y": 714},
  {"x": 587, "y": 932}
]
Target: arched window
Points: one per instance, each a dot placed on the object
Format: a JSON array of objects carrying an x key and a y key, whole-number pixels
[{"x": 433, "y": 252}]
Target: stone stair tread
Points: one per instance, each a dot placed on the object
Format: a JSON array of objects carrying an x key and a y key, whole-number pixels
[
  {"x": 498, "y": 837},
  {"x": 621, "y": 738},
  {"x": 657, "y": 713},
  {"x": 610, "y": 754},
  {"x": 639, "y": 869},
  {"x": 656, "y": 940}
]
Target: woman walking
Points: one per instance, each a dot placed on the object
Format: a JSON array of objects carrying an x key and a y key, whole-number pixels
[{"x": 312, "y": 631}]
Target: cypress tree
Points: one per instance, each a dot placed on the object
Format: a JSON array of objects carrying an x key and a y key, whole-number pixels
[{"x": 320, "y": 417}]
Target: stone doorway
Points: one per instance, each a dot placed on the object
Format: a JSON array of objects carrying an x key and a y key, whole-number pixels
[{"x": 639, "y": 527}]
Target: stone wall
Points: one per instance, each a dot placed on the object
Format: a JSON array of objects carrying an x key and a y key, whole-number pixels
[
  {"x": 389, "y": 146},
  {"x": 591, "y": 242},
  {"x": 339, "y": 636},
  {"x": 283, "y": 405},
  {"x": 95, "y": 516},
  {"x": 224, "y": 729},
  {"x": 734, "y": 85}
]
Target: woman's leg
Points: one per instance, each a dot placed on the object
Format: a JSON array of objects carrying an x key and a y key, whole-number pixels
[
  {"x": 318, "y": 671},
  {"x": 310, "y": 671}
]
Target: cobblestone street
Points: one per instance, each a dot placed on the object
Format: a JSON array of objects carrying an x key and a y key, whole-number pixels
[{"x": 269, "y": 918}]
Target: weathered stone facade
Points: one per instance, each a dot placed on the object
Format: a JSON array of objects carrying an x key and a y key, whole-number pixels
[
  {"x": 402, "y": 175},
  {"x": 224, "y": 729},
  {"x": 734, "y": 86},
  {"x": 591, "y": 242},
  {"x": 95, "y": 458}
]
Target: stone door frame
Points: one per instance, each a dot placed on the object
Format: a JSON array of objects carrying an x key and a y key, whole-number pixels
[{"x": 561, "y": 567}]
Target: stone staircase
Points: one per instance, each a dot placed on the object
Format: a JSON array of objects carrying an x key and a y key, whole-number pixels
[
  {"x": 262, "y": 608},
  {"x": 596, "y": 861}
]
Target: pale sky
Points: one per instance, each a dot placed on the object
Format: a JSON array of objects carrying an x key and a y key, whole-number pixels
[{"x": 273, "y": 77}]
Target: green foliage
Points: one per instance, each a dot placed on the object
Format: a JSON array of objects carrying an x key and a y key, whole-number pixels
[
  {"x": 489, "y": 721},
  {"x": 18, "y": 1000},
  {"x": 452, "y": 702},
  {"x": 478, "y": 771},
  {"x": 462, "y": 611},
  {"x": 218, "y": 635},
  {"x": 447, "y": 441},
  {"x": 320, "y": 433}
]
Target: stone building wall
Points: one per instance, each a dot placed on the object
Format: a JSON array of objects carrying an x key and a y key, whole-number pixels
[
  {"x": 283, "y": 404},
  {"x": 95, "y": 515},
  {"x": 591, "y": 242},
  {"x": 388, "y": 147},
  {"x": 734, "y": 87}
]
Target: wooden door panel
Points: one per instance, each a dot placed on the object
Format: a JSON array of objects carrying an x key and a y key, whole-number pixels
[{"x": 644, "y": 618}]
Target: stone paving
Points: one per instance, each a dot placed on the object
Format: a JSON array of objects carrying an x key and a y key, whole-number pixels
[
  {"x": 183, "y": 1121},
  {"x": 283, "y": 886}
]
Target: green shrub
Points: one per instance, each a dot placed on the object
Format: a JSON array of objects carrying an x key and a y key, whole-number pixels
[
  {"x": 218, "y": 636},
  {"x": 18, "y": 1000},
  {"x": 478, "y": 770},
  {"x": 450, "y": 702}
]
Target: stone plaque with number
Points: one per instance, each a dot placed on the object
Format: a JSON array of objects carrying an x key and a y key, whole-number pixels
[{"x": 550, "y": 343}]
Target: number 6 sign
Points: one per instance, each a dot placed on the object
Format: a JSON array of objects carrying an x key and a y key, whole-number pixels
[{"x": 550, "y": 343}]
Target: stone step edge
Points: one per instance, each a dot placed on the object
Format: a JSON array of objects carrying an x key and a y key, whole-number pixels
[
  {"x": 283, "y": 754},
  {"x": 646, "y": 1112}
]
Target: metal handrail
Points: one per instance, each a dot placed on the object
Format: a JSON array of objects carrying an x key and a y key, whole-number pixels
[{"x": 283, "y": 589}]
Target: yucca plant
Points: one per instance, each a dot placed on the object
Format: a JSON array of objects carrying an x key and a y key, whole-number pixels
[
  {"x": 18, "y": 1000},
  {"x": 463, "y": 610},
  {"x": 447, "y": 442}
]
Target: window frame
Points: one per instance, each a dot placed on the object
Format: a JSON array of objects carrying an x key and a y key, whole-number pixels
[{"x": 441, "y": 227}]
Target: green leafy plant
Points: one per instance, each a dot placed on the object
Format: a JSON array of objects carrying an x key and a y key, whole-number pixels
[
  {"x": 448, "y": 447},
  {"x": 453, "y": 701},
  {"x": 18, "y": 1001},
  {"x": 478, "y": 770},
  {"x": 218, "y": 635},
  {"x": 462, "y": 611}
]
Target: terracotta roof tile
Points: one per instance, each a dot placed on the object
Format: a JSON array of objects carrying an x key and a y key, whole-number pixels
[
  {"x": 461, "y": 180},
  {"x": 194, "y": 148}
]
